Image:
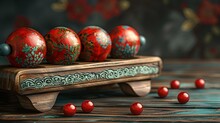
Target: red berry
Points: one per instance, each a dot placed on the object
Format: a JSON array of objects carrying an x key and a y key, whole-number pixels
[
  {"x": 136, "y": 108},
  {"x": 162, "y": 92},
  {"x": 200, "y": 83},
  {"x": 183, "y": 97},
  {"x": 87, "y": 106},
  {"x": 175, "y": 84},
  {"x": 69, "y": 109}
]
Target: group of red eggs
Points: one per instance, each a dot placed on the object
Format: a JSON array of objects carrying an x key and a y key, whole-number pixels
[{"x": 137, "y": 108}]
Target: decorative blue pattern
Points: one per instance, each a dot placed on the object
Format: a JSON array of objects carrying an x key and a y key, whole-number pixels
[
  {"x": 32, "y": 58},
  {"x": 103, "y": 38},
  {"x": 125, "y": 52},
  {"x": 108, "y": 74},
  {"x": 121, "y": 40}
]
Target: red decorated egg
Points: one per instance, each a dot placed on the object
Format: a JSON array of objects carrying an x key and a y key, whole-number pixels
[
  {"x": 125, "y": 42},
  {"x": 63, "y": 46},
  {"x": 28, "y": 47},
  {"x": 96, "y": 44}
]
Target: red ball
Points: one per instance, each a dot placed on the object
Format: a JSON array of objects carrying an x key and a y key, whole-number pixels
[
  {"x": 162, "y": 92},
  {"x": 136, "y": 108},
  {"x": 63, "y": 46},
  {"x": 28, "y": 47},
  {"x": 69, "y": 109},
  {"x": 96, "y": 44},
  {"x": 87, "y": 106},
  {"x": 200, "y": 83},
  {"x": 175, "y": 84},
  {"x": 125, "y": 42},
  {"x": 183, "y": 97}
]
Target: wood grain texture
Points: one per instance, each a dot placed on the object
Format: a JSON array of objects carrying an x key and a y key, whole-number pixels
[{"x": 112, "y": 105}]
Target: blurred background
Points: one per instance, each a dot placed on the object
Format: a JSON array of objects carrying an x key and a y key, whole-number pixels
[{"x": 173, "y": 28}]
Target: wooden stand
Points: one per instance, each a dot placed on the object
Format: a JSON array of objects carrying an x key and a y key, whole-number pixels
[
  {"x": 139, "y": 88},
  {"x": 38, "y": 88},
  {"x": 38, "y": 102}
]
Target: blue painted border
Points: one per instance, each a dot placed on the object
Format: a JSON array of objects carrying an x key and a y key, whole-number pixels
[{"x": 107, "y": 74}]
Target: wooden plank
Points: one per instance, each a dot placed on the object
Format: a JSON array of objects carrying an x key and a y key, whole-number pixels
[
  {"x": 47, "y": 78},
  {"x": 111, "y": 105}
]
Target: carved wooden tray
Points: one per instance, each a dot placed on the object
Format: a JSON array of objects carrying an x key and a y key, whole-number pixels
[{"x": 31, "y": 84}]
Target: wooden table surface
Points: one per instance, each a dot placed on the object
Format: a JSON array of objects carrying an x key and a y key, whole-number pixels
[{"x": 111, "y": 105}]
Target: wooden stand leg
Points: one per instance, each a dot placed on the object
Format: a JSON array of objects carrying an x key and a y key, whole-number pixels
[
  {"x": 38, "y": 102},
  {"x": 138, "y": 88}
]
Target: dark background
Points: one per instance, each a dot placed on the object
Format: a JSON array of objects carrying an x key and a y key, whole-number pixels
[{"x": 173, "y": 28}]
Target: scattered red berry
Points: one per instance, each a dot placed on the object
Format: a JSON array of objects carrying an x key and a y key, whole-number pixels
[
  {"x": 175, "y": 84},
  {"x": 162, "y": 91},
  {"x": 183, "y": 97},
  {"x": 87, "y": 106},
  {"x": 69, "y": 109},
  {"x": 136, "y": 108},
  {"x": 200, "y": 83}
]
